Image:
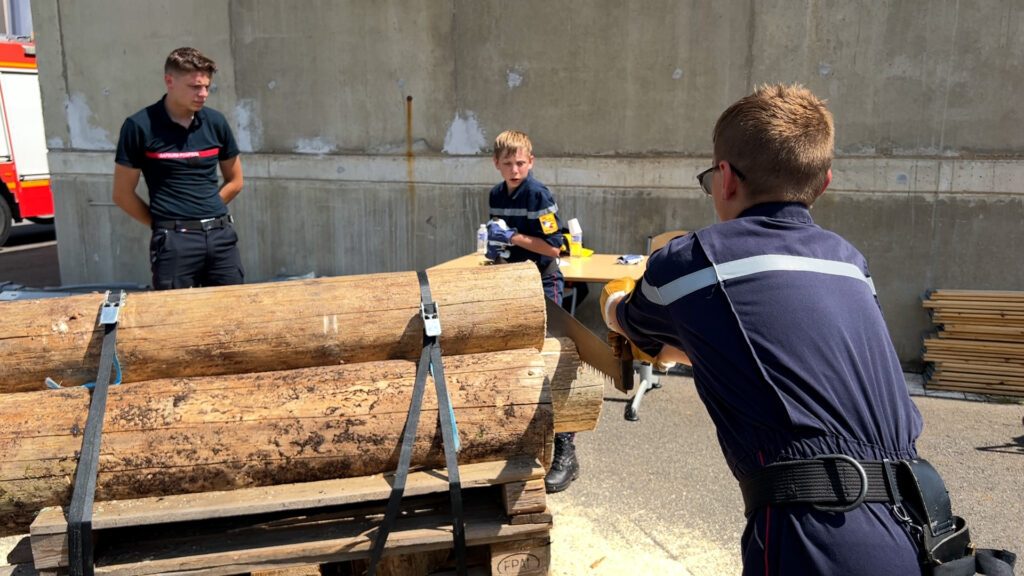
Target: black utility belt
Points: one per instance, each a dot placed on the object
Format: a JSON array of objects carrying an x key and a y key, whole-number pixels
[
  {"x": 913, "y": 488},
  {"x": 834, "y": 483},
  {"x": 204, "y": 224}
]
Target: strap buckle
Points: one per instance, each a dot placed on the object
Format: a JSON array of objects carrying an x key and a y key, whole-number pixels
[
  {"x": 111, "y": 307},
  {"x": 431, "y": 322},
  {"x": 863, "y": 484}
]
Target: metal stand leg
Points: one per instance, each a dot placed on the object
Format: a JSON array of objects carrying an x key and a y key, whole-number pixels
[{"x": 648, "y": 381}]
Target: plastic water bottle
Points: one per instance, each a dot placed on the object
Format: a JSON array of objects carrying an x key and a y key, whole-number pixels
[
  {"x": 481, "y": 239},
  {"x": 575, "y": 237}
]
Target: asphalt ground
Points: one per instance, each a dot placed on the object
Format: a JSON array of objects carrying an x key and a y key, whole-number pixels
[{"x": 29, "y": 257}]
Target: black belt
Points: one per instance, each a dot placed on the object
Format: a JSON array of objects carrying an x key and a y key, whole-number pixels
[
  {"x": 205, "y": 224},
  {"x": 914, "y": 489},
  {"x": 835, "y": 483}
]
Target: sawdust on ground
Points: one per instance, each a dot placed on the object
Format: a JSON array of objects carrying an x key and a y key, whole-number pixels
[{"x": 593, "y": 541}]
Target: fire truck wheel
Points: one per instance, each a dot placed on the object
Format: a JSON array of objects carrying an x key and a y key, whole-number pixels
[
  {"x": 5, "y": 220},
  {"x": 44, "y": 220}
]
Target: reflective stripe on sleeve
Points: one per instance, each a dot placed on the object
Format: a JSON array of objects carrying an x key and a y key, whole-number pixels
[
  {"x": 553, "y": 209},
  {"x": 684, "y": 285}
]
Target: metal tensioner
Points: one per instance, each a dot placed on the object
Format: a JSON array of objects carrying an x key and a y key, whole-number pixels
[
  {"x": 431, "y": 321},
  {"x": 111, "y": 307}
]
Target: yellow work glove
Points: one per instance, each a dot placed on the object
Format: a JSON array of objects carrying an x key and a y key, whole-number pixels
[{"x": 613, "y": 293}]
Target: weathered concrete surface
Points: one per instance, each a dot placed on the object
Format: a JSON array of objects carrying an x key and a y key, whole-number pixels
[
  {"x": 345, "y": 174},
  {"x": 334, "y": 76},
  {"x": 584, "y": 77},
  {"x": 100, "y": 62}
]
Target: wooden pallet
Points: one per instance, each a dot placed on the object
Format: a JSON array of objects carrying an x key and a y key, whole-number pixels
[
  {"x": 297, "y": 526},
  {"x": 979, "y": 346}
]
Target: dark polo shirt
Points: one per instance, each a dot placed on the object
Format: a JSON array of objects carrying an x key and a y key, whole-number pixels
[
  {"x": 178, "y": 163},
  {"x": 530, "y": 209}
]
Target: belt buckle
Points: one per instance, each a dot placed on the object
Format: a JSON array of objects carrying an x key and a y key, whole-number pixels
[
  {"x": 861, "y": 494},
  {"x": 207, "y": 223}
]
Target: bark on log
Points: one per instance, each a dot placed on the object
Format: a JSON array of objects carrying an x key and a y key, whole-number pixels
[
  {"x": 272, "y": 326},
  {"x": 177, "y": 436}
]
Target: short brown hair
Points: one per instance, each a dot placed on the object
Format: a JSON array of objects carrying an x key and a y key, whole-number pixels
[
  {"x": 510, "y": 142},
  {"x": 781, "y": 139},
  {"x": 186, "y": 60}
]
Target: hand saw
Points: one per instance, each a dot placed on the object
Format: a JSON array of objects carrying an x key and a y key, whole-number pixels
[{"x": 592, "y": 349}]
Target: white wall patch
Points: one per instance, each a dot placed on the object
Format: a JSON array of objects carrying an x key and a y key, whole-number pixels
[
  {"x": 318, "y": 145},
  {"x": 84, "y": 136},
  {"x": 250, "y": 128},
  {"x": 514, "y": 78},
  {"x": 464, "y": 137}
]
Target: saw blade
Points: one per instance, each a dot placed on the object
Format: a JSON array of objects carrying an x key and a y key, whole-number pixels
[{"x": 593, "y": 350}]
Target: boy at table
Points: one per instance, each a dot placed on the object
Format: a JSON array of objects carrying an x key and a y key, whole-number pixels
[{"x": 524, "y": 227}]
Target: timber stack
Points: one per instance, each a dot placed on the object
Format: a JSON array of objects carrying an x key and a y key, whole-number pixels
[
  {"x": 979, "y": 344},
  {"x": 275, "y": 413}
]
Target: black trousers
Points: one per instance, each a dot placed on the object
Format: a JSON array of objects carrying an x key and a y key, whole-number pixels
[{"x": 193, "y": 258}]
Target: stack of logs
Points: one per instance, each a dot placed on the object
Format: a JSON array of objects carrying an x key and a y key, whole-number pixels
[
  {"x": 257, "y": 385},
  {"x": 979, "y": 346}
]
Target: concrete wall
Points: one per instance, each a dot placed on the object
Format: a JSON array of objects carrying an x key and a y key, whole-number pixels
[{"x": 366, "y": 126}]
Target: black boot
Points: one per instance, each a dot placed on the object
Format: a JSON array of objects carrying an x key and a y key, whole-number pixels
[{"x": 564, "y": 466}]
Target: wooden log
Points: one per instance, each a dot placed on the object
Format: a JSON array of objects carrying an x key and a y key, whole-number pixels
[
  {"x": 272, "y": 326},
  {"x": 177, "y": 436},
  {"x": 577, "y": 389}
]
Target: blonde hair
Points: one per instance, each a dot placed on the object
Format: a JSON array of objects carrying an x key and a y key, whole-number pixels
[
  {"x": 781, "y": 139},
  {"x": 510, "y": 142}
]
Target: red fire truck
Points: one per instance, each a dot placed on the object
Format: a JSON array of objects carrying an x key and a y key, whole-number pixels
[{"x": 24, "y": 170}]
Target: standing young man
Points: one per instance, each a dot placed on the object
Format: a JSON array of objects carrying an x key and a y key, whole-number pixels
[
  {"x": 531, "y": 230},
  {"x": 790, "y": 353},
  {"x": 177, "y": 144}
]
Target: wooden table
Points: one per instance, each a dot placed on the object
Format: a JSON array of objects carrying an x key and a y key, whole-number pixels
[{"x": 594, "y": 268}]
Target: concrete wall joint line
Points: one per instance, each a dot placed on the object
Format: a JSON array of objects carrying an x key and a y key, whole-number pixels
[{"x": 851, "y": 175}]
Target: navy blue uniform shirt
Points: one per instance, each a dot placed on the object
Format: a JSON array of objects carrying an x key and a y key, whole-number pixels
[
  {"x": 178, "y": 163},
  {"x": 531, "y": 210},
  {"x": 792, "y": 358}
]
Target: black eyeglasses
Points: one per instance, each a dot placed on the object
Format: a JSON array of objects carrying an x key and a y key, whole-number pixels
[{"x": 704, "y": 178}]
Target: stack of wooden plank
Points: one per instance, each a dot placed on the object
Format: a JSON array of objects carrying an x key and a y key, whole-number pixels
[
  {"x": 979, "y": 345},
  {"x": 243, "y": 388}
]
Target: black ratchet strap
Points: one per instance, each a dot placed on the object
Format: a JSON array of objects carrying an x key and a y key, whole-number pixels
[
  {"x": 80, "y": 544},
  {"x": 430, "y": 361}
]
